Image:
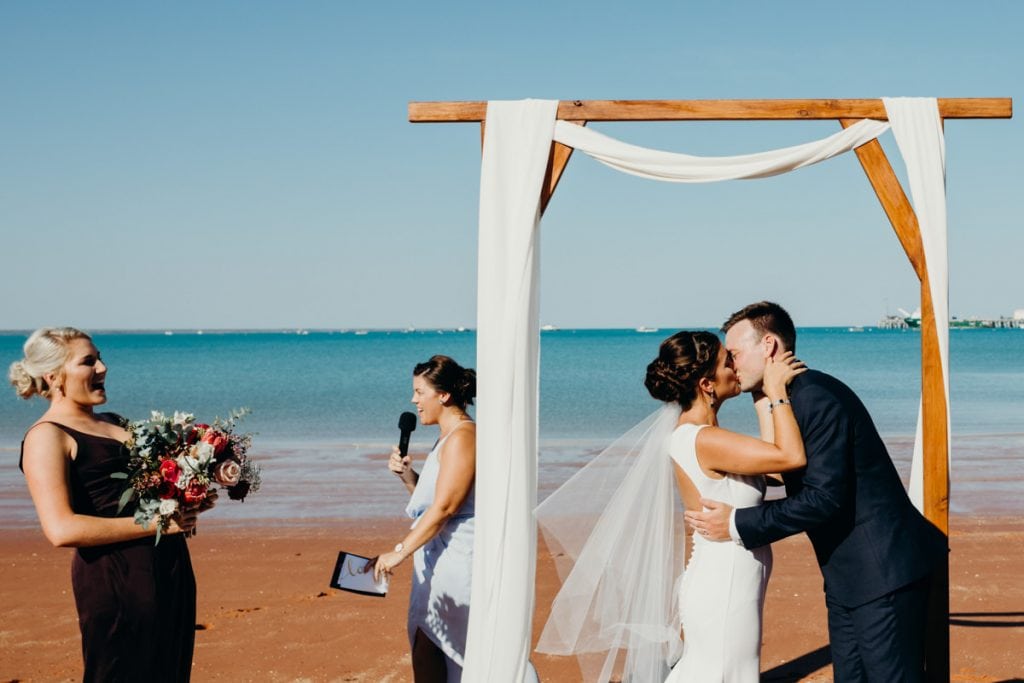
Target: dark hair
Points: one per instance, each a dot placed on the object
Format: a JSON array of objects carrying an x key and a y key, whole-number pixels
[
  {"x": 767, "y": 318},
  {"x": 444, "y": 374},
  {"x": 683, "y": 360}
]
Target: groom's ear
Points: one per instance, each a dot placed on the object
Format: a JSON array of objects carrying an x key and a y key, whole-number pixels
[{"x": 771, "y": 345}]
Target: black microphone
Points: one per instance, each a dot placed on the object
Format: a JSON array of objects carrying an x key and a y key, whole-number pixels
[{"x": 407, "y": 425}]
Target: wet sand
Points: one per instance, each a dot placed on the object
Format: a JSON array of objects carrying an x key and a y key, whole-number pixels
[{"x": 266, "y": 612}]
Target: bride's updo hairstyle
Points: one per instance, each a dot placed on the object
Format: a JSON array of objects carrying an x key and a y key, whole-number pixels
[
  {"x": 444, "y": 374},
  {"x": 683, "y": 359},
  {"x": 45, "y": 351}
]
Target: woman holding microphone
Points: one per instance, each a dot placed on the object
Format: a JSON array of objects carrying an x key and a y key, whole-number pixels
[{"x": 441, "y": 538}]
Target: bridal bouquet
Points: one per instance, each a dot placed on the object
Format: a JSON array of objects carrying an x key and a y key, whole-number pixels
[{"x": 174, "y": 461}]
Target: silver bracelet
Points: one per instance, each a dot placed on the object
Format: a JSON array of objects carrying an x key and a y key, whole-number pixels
[{"x": 780, "y": 402}]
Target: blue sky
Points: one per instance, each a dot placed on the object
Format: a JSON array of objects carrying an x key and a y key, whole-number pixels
[{"x": 250, "y": 164}]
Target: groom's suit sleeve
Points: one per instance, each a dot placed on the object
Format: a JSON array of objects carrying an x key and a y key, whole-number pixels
[{"x": 825, "y": 485}]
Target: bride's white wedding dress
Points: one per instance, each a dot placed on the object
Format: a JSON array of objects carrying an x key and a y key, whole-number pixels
[
  {"x": 616, "y": 533},
  {"x": 721, "y": 596}
]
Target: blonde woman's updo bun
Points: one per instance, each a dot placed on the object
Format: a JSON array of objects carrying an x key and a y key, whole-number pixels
[{"x": 46, "y": 351}]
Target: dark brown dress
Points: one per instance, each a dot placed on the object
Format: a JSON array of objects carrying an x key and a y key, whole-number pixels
[{"x": 136, "y": 600}]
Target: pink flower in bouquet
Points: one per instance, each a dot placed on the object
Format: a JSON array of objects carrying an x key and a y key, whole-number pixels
[
  {"x": 228, "y": 472},
  {"x": 169, "y": 470},
  {"x": 194, "y": 493},
  {"x": 218, "y": 440},
  {"x": 167, "y": 490}
]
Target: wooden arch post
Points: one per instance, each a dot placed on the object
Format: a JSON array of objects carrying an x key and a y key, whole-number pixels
[{"x": 897, "y": 208}]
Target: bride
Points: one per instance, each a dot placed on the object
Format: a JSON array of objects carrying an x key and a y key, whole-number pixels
[{"x": 616, "y": 531}]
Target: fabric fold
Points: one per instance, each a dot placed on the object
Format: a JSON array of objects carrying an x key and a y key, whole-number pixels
[
  {"x": 683, "y": 168},
  {"x": 516, "y": 149},
  {"x": 917, "y": 127}
]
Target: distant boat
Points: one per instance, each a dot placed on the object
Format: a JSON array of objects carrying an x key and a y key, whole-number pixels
[
  {"x": 645, "y": 329},
  {"x": 168, "y": 333},
  {"x": 460, "y": 328},
  {"x": 548, "y": 328},
  {"x": 855, "y": 328},
  {"x": 361, "y": 332}
]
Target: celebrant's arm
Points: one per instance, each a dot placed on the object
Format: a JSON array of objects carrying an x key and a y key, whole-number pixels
[
  {"x": 454, "y": 481},
  {"x": 47, "y": 456}
]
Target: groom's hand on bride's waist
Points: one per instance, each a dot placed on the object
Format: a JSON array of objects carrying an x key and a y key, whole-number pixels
[{"x": 713, "y": 522}]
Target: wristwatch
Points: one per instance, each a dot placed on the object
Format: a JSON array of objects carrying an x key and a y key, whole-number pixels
[{"x": 780, "y": 402}]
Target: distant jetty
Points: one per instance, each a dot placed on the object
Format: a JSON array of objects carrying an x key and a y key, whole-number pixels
[{"x": 912, "y": 321}]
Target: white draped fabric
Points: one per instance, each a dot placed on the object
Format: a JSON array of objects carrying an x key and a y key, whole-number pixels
[
  {"x": 917, "y": 127},
  {"x": 516, "y": 149},
  {"x": 683, "y": 168}
]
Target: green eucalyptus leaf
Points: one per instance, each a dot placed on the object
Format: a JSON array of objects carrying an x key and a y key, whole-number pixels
[{"x": 125, "y": 498}]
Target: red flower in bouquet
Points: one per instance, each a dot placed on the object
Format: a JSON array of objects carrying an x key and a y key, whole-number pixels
[
  {"x": 170, "y": 471},
  {"x": 218, "y": 440},
  {"x": 166, "y": 490},
  {"x": 194, "y": 493}
]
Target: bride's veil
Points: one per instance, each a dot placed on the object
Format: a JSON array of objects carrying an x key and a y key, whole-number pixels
[{"x": 616, "y": 532}]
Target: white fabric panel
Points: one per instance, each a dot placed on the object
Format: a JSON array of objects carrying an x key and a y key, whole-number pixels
[
  {"x": 683, "y": 168},
  {"x": 516, "y": 148},
  {"x": 917, "y": 127}
]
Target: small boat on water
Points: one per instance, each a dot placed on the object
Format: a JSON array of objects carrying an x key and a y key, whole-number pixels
[{"x": 643, "y": 329}]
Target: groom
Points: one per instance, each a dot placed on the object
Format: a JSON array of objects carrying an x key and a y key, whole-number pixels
[{"x": 876, "y": 551}]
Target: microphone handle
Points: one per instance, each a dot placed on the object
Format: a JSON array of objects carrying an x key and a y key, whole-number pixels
[{"x": 403, "y": 443}]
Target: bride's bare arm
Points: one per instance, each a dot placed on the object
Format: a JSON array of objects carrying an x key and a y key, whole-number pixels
[
  {"x": 721, "y": 450},
  {"x": 764, "y": 423}
]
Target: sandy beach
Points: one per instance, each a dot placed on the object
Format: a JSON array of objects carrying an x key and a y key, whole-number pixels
[{"x": 266, "y": 612}]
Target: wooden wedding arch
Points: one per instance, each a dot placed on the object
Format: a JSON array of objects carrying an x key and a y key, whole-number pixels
[{"x": 896, "y": 206}]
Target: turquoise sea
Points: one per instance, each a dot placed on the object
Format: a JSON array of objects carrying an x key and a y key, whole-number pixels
[{"x": 326, "y": 404}]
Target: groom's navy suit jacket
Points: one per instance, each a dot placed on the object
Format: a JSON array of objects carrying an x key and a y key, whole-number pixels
[{"x": 869, "y": 538}]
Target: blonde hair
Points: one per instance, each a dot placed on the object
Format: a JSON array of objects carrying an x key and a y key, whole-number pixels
[{"x": 46, "y": 351}]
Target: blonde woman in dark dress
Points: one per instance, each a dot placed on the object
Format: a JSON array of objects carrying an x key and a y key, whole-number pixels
[{"x": 136, "y": 601}]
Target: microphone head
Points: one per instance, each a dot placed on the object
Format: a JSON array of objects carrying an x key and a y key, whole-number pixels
[{"x": 407, "y": 422}]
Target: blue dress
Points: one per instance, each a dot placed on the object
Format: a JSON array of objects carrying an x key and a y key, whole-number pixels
[{"x": 442, "y": 569}]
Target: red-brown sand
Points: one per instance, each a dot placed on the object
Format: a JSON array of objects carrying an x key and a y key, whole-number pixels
[{"x": 267, "y": 614}]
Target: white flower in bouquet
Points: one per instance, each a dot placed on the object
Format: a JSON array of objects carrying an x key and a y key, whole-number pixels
[
  {"x": 168, "y": 507},
  {"x": 181, "y": 419},
  {"x": 202, "y": 453}
]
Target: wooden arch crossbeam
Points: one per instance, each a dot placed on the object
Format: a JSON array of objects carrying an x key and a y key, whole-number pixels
[{"x": 896, "y": 206}]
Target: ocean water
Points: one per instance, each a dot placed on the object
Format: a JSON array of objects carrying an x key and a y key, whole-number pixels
[{"x": 326, "y": 404}]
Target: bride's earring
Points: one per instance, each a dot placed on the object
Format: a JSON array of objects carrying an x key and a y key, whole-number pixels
[{"x": 713, "y": 399}]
